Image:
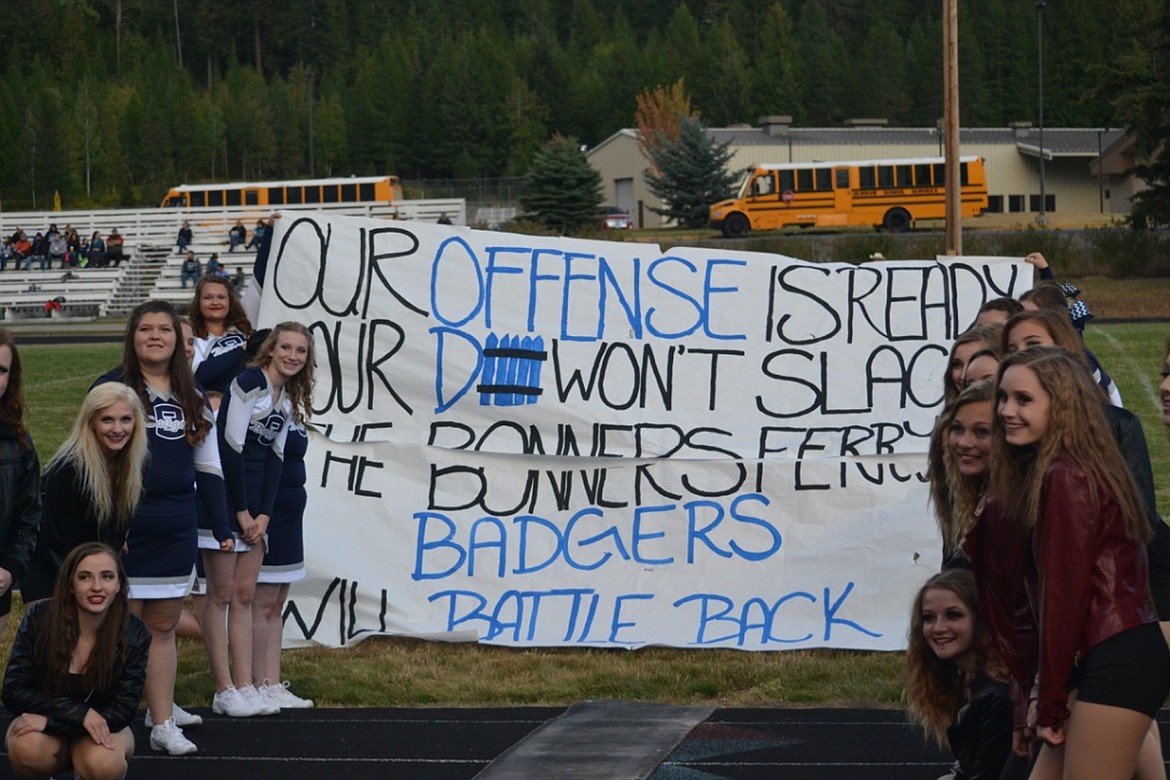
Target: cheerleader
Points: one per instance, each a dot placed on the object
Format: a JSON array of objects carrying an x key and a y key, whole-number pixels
[
  {"x": 221, "y": 335},
  {"x": 284, "y": 562},
  {"x": 184, "y": 468},
  {"x": 253, "y": 420}
]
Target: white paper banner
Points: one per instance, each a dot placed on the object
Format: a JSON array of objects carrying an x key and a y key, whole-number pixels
[{"x": 539, "y": 441}]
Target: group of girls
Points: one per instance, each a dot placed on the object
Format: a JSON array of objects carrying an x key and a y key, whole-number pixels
[
  {"x": 124, "y": 509},
  {"x": 1037, "y": 651}
]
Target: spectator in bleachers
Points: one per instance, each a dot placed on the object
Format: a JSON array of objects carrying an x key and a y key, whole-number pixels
[
  {"x": 39, "y": 252},
  {"x": 239, "y": 280},
  {"x": 214, "y": 267},
  {"x": 21, "y": 247},
  {"x": 258, "y": 234},
  {"x": 74, "y": 242},
  {"x": 52, "y": 231},
  {"x": 58, "y": 248},
  {"x": 184, "y": 238},
  {"x": 114, "y": 246},
  {"x": 7, "y": 253},
  {"x": 237, "y": 235},
  {"x": 191, "y": 270},
  {"x": 95, "y": 251}
]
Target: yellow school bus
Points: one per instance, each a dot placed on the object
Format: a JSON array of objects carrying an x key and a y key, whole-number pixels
[
  {"x": 353, "y": 189},
  {"x": 889, "y": 194}
]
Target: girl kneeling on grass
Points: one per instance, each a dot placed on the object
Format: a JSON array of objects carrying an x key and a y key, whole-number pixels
[
  {"x": 955, "y": 685},
  {"x": 76, "y": 673}
]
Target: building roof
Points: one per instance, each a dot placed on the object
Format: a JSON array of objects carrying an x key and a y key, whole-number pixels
[{"x": 1058, "y": 141}]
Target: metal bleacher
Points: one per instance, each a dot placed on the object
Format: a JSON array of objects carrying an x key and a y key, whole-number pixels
[{"x": 152, "y": 265}]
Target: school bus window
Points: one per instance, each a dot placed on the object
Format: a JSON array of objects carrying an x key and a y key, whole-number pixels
[
  {"x": 349, "y": 192},
  {"x": 764, "y": 184},
  {"x": 251, "y": 197},
  {"x": 294, "y": 195},
  {"x": 905, "y": 176},
  {"x": 804, "y": 180},
  {"x": 276, "y": 196},
  {"x": 940, "y": 175},
  {"x": 232, "y": 197},
  {"x": 963, "y": 174},
  {"x": 215, "y": 197},
  {"x": 865, "y": 179},
  {"x": 922, "y": 175},
  {"x": 330, "y": 193},
  {"x": 824, "y": 179},
  {"x": 367, "y": 191},
  {"x": 885, "y": 176},
  {"x": 842, "y": 178},
  {"x": 198, "y": 199},
  {"x": 313, "y": 194},
  {"x": 787, "y": 181}
]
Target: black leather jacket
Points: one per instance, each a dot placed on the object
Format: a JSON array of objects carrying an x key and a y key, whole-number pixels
[
  {"x": 20, "y": 501},
  {"x": 66, "y": 714}
]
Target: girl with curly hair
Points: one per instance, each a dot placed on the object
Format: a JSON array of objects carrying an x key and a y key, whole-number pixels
[{"x": 956, "y": 688}]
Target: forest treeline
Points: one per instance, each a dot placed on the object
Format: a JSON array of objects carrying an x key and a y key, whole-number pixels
[{"x": 109, "y": 102}]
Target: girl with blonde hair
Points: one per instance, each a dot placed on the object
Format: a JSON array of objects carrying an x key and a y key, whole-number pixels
[{"x": 92, "y": 485}]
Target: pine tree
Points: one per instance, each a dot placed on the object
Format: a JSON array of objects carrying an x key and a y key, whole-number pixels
[
  {"x": 693, "y": 174},
  {"x": 563, "y": 191},
  {"x": 1146, "y": 108}
]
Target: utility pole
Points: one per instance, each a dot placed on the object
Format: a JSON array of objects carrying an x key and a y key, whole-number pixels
[
  {"x": 954, "y": 217},
  {"x": 1042, "y": 216}
]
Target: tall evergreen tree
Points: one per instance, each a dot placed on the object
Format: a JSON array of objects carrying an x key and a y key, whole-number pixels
[
  {"x": 563, "y": 191},
  {"x": 693, "y": 174},
  {"x": 1145, "y": 106}
]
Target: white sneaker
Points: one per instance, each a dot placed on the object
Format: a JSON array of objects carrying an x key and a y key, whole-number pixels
[
  {"x": 234, "y": 703},
  {"x": 280, "y": 695},
  {"x": 182, "y": 718},
  {"x": 263, "y": 705},
  {"x": 168, "y": 738}
]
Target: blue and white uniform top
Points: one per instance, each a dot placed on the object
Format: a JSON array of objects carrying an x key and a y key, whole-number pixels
[
  {"x": 219, "y": 359},
  {"x": 253, "y": 427},
  {"x": 162, "y": 545}
]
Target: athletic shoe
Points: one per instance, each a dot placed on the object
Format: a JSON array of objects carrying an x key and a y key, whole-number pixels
[
  {"x": 280, "y": 695},
  {"x": 234, "y": 703},
  {"x": 166, "y": 737},
  {"x": 182, "y": 718},
  {"x": 263, "y": 706}
]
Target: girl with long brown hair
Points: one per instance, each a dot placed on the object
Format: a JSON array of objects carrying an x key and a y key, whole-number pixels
[
  {"x": 76, "y": 673},
  {"x": 1102, "y": 666}
]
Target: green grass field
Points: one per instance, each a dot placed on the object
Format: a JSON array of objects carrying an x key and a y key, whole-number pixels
[{"x": 394, "y": 672}]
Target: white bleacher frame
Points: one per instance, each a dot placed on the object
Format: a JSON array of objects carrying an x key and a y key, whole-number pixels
[{"x": 153, "y": 266}]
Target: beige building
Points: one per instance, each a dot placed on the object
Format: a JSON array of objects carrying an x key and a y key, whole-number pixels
[{"x": 1012, "y": 156}]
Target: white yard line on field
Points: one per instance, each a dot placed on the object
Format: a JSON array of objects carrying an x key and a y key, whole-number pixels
[{"x": 1138, "y": 371}]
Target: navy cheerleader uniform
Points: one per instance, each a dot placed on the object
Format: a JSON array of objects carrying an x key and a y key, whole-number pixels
[
  {"x": 219, "y": 359},
  {"x": 163, "y": 541},
  {"x": 253, "y": 426},
  {"x": 284, "y": 560}
]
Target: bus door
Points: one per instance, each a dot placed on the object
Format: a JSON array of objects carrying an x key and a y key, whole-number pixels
[
  {"x": 762, "y": 200},
  {"x": 842, "y": 191}
]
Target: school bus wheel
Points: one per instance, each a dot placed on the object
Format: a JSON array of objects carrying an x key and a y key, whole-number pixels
[
  {"x": 735, "y": 225},
  {"x": 896, "y": 220}
]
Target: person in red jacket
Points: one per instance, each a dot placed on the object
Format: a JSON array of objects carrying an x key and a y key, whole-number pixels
[{"x": 1102, "y": 665}]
